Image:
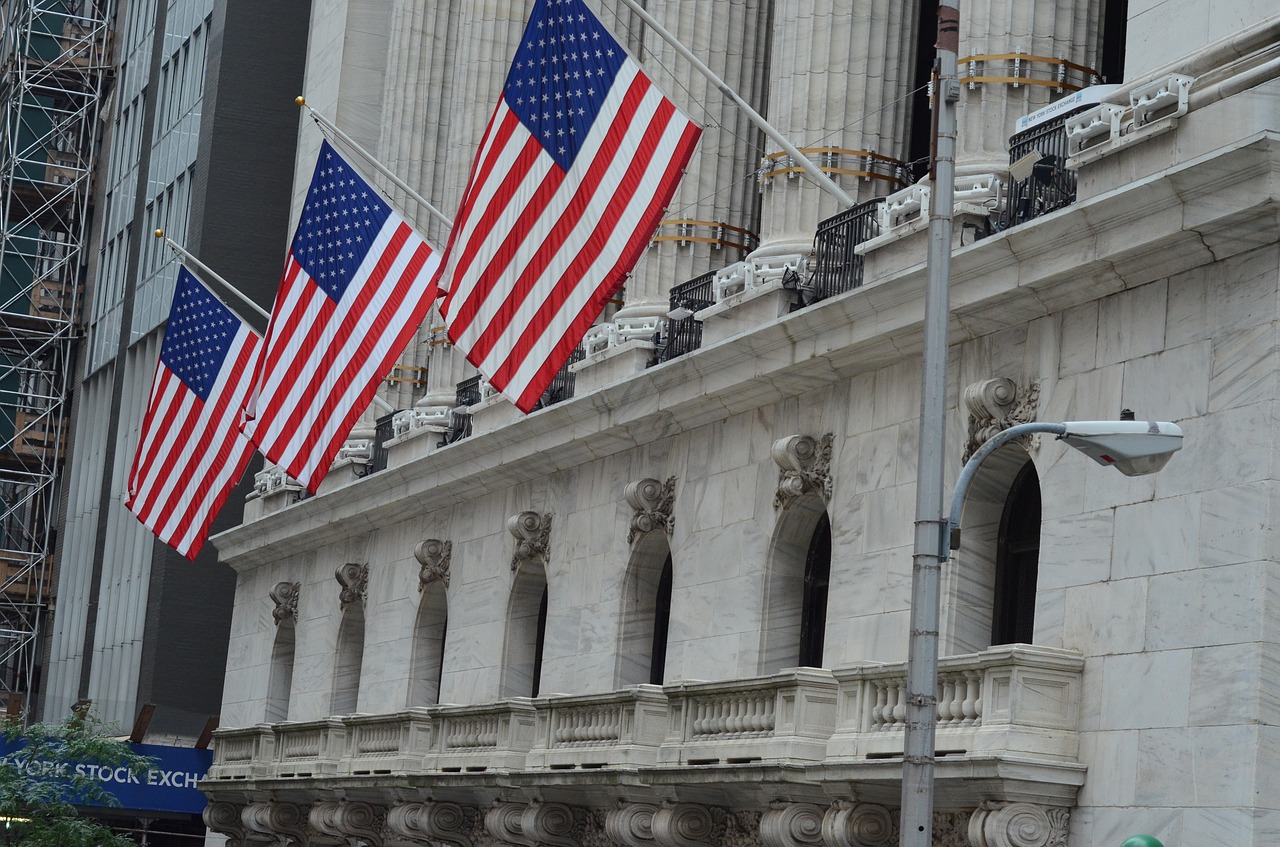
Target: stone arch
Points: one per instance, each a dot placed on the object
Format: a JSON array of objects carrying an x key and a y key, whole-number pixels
[
  {"x": 788, "y": 608},
  {"x": 348, "y": 661},
  {"x": 646, "y": 612},
  {"x": 280, "y": 678},
  {"x": 430, "y": 629},
  {"x": 526, "y": 631}
]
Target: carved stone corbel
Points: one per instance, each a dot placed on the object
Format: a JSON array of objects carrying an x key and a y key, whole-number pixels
[
  {"x": 805, "y": 464},
  {"x": 554, "y": 824},
  {"x": 1018, "y": 825},
  {"x": 285, "y": 596},
  {"x": 434, "y": 555},
  {"x": 503, "y": 823},
  {"x": 347, "y": 822},
  {"x": 354, "y": 580},
  {"x": 224, "y": 818},
  {"x": 792, "y": 825},
  {"x": 685, "y": 825},
  {"x": 277, "y": 822},
  {"x": 994, "y": 405},
  {"x": 412, "y": 824},
  {"x": 848, "y": 824},
  {"x": 533, "y": 538},
  {"x": 630, "y": 824},
  {"x": 652, "y": 502}
]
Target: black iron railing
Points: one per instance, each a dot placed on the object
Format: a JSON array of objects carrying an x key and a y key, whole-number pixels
[
  {"x": 561, "y": 387},
  {"x": 1050, "y": 185},
  {"x": 468, "y": 394},
  {"x": 384, "y": 431},
  {"x": 684, "y": 334},
  {"x": 837, "y": 267}
]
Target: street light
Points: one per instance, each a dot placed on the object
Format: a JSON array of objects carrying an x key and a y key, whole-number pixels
[{"x": 1132, "y": 447}]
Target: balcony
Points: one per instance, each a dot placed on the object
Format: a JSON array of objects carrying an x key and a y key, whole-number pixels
[{"x": 618, "y": 730}]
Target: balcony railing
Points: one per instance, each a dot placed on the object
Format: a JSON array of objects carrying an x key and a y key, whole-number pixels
[
  {"x": 1016, "y": 701},
  {"x": 561, "y": 387},
  {"x": 684, "y": 334},
  {"x": 1051, "y": 185},
  {"x": 838, "y": 267}
]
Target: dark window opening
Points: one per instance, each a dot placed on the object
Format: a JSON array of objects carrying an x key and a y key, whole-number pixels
[
  {"x": 813, "y": 612},
  {"x": 1017, "y": 561},
  {"x": 1115, "y": 29},
  {"x": 538, "y": 644},
  {"x": 661, "y": 621},
  {"x": 921, "y": 133}
]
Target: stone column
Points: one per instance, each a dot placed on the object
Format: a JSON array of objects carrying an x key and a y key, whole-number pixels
[
  {"x": 839, "y": 78},
  {"x": 1069, "y": 30}
]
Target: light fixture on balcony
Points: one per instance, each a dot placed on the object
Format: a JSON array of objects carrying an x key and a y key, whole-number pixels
[
  {"x": 680, "y": 313},
  {"x": 1021, "y": 170}
]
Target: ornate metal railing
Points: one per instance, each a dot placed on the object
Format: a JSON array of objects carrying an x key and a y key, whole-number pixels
[
  {"x": 460, "y": 422},
  {"x": 561, "y": 387},
  {"x": 1050, "y": 185},
  {"x": 838, "y": 268},
  {"x": 684, "y": 333}
]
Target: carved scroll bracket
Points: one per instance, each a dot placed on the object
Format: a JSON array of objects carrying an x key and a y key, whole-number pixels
[
  {"x": 1018, "y": 825},
  {"x": 285, "y": 596},
  {"x": 652, "y": 502},
  {"x": 994, "y": 405},
  {"x": 806, "y": 467},
  {"x": 354, "y": 580},
  {"x": 533, "y": 538},
  {"x": 434, "y": 555}
]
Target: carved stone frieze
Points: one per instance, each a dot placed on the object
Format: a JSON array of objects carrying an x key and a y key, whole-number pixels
[
  {"x": 950, "y": 829},
  {"x": 553, "y": 824},
  {"x": 412, "y": 824},
  {"x": 347, "y": 822},
  {"x": 805, "y": 464},
  {"x": 631, "y": 824},
  {"x": 276, "y": 822},
  {"x": 652, "y": 502},
  {"x": 435, "y": 556},
  {"x": 225, "y": 818},
  {"x": 503, "y": 823},
  {"x": 848, "y": 824},
  {"x": 739, "y": 829},
  {"x": 686, "y": 825},
  {"x": 1018, "y": 825},
  {"x": 994, "y": 405},
  {"x": 354, "y": 580},
  {"x": 285, "y": 596},
  {"x": 533, "y": 538},
  {"x": 792, "y": 825}
]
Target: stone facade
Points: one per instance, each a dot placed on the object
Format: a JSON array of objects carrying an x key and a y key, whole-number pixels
[{"x": 1145, "y": 700}]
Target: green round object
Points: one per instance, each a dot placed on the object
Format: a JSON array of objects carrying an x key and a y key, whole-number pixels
[{"x": 1142, "y": 841}]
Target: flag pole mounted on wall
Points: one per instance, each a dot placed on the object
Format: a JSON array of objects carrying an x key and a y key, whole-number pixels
[{"x": 823, "y": 181}]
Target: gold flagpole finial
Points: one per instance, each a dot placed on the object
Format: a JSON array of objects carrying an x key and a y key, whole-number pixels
[
  {"x": 159, "y": 233},
  {"x": 300, "y": 100}
]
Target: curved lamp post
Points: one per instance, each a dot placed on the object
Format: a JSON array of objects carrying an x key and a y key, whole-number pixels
[{"x": 1132, "y": 447}]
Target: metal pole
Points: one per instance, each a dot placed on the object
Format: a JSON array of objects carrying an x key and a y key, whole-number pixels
[
  {"x": 824, "y": 182},
  {"x": 378, "y": 166},
  {"x": 930, "y": 528},
  {"x": 207, "y": 271}
]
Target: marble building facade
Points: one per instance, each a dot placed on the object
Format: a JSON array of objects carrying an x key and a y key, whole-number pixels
[{"x": 672, "y": 610}]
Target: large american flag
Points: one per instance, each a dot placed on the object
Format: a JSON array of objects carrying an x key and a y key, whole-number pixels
[
  {"x": 573, "y": 173},
  {"x": 357, "y": 283},
  {"x": 190, "y": 452}
]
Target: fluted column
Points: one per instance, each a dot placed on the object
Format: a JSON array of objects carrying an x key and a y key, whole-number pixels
[
  {"x": 731, "y": 37},
  {"x": 1070, "y": 29},
  {"x": 840, "y": 75}
]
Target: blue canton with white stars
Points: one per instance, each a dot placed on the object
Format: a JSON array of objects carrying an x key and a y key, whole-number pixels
[
  {"x": 340, "y": 221},
  {"x": 564, "y": 68},
  {"x": 198, "y": 335}
]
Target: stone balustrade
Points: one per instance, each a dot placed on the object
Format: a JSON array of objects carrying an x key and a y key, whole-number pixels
[{"x": 1019, "y": 701}]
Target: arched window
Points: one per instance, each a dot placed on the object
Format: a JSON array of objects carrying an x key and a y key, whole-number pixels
[
  {"x": 1017, "y": 562},
  {"x": 346, "y": 674},
  {"x": 280, "y": 681},
  {"x": 526, "y": 632},
  {"x": 429, "y": 631},
  {"x": 795, "y": 603},
  {"x": 646, "y": 613}
]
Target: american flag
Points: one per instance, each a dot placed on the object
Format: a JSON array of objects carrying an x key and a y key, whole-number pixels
[
  {"x": 356, "y": 285},
  {"x": 573, "y": 172},
  {"x": 191, "y": 453}
]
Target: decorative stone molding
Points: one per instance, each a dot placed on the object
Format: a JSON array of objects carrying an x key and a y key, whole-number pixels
[
  {"x": 653, "y": 502},
  {"x": 533, "y": 537},
  {"x": 412, "y": 824},
  {"x": 285, "y": 596},
  {"x": 503, "y": 823},
  {"x": 806, "y": 467},
  {"x": 278, "y": 822},
  {"x": 1018, "y": 825},
  {"x": 950, "y": 829},
  {"x": 354, "y": 580},
  {"x": 553, "y": 824},
  {"x": 686, "y": 825},
  {"x": 631, "y": 824},
  {"x": 348, "y": 822},
  {"x": 994, "y": 405},
  {"x": 434, "y": 555},
  {"x": 848, "y": 824},
  {"x": 225, "y": 818},
  {"x": 792, "y": 825}
]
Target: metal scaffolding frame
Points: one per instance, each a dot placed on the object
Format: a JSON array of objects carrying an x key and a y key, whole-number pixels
[{"x": 55, "y": 68}]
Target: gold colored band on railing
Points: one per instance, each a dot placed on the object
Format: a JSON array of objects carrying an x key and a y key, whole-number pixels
[
  {"x": 1017, "y": 61},
  {"x": 835, "y": 159},
  {"x": 721, "y": 234}
]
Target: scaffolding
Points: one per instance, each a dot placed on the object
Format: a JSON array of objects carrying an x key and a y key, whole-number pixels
[{"x": 56, "y": 68}]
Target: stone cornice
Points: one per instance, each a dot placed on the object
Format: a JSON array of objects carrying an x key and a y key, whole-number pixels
[{"x": 1143, "y": 230}]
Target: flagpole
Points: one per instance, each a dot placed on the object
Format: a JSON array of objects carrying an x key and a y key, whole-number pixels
[
  {"x": 824, "y": 182},
  {"x": 206, "y": 270},
  {"x": 381, "y": 168}
]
